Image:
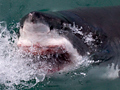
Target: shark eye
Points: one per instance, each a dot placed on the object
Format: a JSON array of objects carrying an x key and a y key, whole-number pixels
[
  {"x": 21, "y": 26},
  {"x": 51, "y": 27}
]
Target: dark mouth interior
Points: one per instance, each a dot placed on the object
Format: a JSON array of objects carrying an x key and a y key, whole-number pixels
[
  {"x": 55, "y": 56},
  {"x": 55, "y": 59}
]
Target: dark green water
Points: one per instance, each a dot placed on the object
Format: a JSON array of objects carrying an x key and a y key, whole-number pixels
[{"x": 12, "y": 11}]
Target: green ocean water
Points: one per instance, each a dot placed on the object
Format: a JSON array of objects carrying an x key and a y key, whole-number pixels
[{"x": 11, "y": 11}]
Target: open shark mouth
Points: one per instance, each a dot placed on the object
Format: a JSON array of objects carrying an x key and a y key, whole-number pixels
[
  {"x": 45, "y": 44},
  {"x": 55, "y": 57}
]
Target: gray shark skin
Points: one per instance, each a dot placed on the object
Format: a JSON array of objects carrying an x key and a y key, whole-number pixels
[{"x": 103, "y": 23}]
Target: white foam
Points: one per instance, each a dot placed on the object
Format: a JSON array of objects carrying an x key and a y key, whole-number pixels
[
  {"x": 112, "y": 72},
  {"x": 87, "y": 38},
  {"x": 15, "y": 67}
]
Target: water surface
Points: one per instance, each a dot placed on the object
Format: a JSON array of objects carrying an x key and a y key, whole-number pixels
[{"x": 16, "y": 75}]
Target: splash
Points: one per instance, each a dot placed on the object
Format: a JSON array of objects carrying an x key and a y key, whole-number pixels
[
  {"x": 16, "y": 68},
  {"x": 87, "y": 38},
  {"x": 112, "y": 72}
]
